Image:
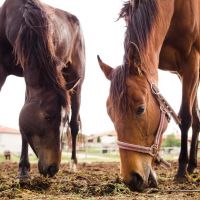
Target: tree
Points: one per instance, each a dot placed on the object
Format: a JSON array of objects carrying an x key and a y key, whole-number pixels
[{"x": 171, "y": 141}]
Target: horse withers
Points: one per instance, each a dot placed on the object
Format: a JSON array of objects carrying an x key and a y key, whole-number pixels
[
  {"x": 46, "y": 46},
  {"x": 154, "y": 37}
]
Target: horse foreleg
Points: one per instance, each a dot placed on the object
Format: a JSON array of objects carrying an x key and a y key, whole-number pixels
[
  {"x": 190, "y": 79},
  {"x": 24, "y": 164},
  {"x": 74, "y": 125},
  {"x": 195, "y": 134}
]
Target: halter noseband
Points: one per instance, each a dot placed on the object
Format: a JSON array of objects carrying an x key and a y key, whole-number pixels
[{"x": 166, "y": 111}]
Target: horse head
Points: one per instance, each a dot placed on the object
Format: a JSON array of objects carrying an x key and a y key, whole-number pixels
[
  {"x": 41, "y": 123},
  {"x": 136, "y": 115}
]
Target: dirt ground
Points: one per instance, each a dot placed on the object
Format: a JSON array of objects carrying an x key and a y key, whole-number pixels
[{"x": 98, "y": 181}]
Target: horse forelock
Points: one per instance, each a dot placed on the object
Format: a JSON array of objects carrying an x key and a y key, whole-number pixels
[
  {"x": 35, "y": 45},
  {"x": 118, "y": 90},
  {"x": 141, "y": 18}
]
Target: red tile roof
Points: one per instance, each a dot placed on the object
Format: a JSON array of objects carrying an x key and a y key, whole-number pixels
[{"x": 7, "y": 130}]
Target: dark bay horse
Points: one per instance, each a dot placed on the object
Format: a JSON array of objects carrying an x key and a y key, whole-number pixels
[
  {"x": 46, "y": 46},
  {"x": 165, "y": 34}
]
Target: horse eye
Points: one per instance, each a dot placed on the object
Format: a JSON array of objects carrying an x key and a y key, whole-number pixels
[
  {"x": 140, "y": 110},
  {"x": 48, "y": 117}
]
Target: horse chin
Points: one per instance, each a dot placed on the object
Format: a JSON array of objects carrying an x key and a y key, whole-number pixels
[{"x": 152, "y": 181}]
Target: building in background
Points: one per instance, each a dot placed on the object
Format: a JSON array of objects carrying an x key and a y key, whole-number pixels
[
  {"x": 10, "y": 140},
  {"x": 106, "y": 141},
  {"x": 107, "y": 137}
]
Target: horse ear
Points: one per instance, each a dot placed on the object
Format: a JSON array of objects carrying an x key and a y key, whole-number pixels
[
  {"x": 134, "y": 59},
  {"x": 72, "y": 84},
  {"x": 105, "y": 68}
]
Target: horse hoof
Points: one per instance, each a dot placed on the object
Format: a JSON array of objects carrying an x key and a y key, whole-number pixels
[
  {"x": 23, "y": 178},
  {"x": 182, "y": 178},
  {"x": 191, "y": 169},
  {"x": 73, "y": 166}
]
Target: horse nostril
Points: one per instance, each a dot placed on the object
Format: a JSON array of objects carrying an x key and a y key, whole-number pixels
[
  {"x": 52, "y": 170},
  {"x": 140, "y": 109},
  {"x": 137, "y": 183}
]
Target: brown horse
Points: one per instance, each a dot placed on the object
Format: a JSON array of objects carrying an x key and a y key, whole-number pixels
[
  {"x": 46, "y": 46},
  {"x": 165, "y": 34}
]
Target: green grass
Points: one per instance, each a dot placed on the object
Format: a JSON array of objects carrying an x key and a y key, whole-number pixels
[
  {"x": 92, "y": 156},
  {"x": 16, "y": 158},
  {"x": 89, "y": 156}
]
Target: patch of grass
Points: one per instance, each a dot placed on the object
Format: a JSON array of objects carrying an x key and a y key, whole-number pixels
[
  {"x": 90, "y": 156},
  {"x": 16, "y": 158}
]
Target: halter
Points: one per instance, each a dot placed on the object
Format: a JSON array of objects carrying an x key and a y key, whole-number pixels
[{"x": 166, "y": 111}]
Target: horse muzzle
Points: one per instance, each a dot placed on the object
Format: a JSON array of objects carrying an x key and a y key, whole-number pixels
[
  {"x": 136, "y": 183},
  {"x": 49, "y": 171},
  {"x": 139, "y": 183}
]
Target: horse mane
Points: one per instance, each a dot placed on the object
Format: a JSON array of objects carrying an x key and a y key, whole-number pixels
[
  {"x": 34, "y": 43},
  {"x": 140, "y": 16}
]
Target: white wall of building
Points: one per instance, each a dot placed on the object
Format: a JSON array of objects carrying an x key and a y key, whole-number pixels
[{"x": 11, "y": 142}]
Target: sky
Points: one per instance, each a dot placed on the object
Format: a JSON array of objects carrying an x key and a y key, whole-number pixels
[{"x": 104, "y": 36}]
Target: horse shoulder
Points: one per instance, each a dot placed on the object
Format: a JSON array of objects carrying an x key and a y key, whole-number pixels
[{"x": 182, "y": 36}]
